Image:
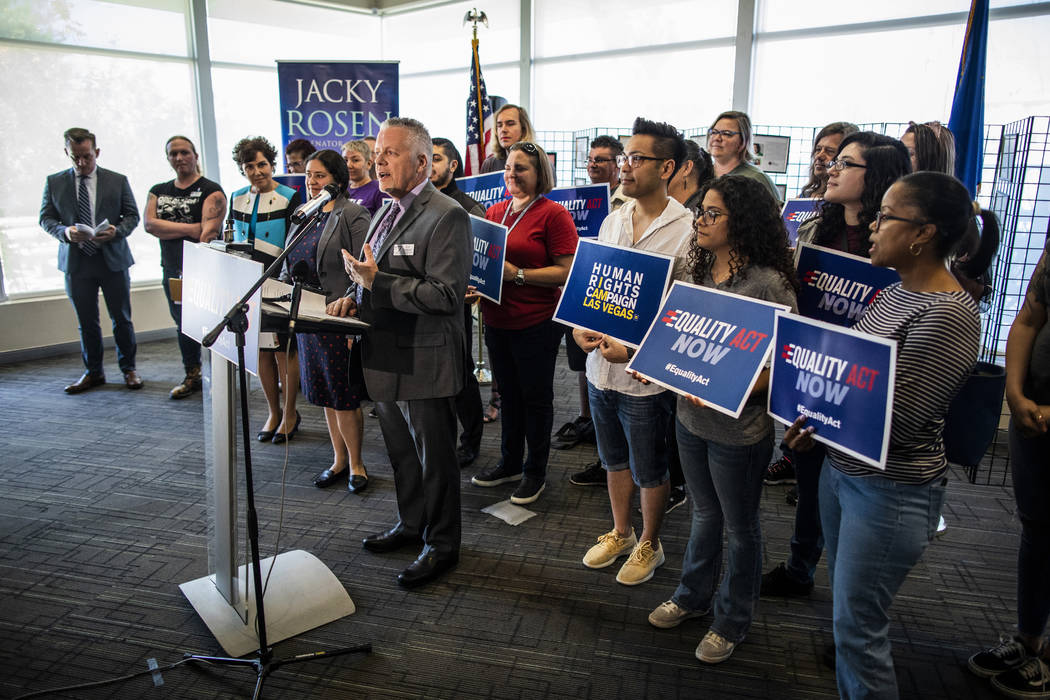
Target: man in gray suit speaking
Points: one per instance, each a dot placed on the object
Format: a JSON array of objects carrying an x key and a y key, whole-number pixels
[{"x": 412, "y": 274}]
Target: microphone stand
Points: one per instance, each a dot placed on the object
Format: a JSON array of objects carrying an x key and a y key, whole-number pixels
[{"x": 236, "y": 319}]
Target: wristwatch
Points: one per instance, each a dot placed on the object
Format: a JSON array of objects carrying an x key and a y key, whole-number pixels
[{"x": 519, "y": 279}]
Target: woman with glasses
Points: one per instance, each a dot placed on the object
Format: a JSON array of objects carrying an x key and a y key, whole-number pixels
[
  {"x": 729, "y": 143},
  {"x": 740, "y": 246},
  {"x": 331, "y": 371},
  {"x": 878, "y": 522},
  {"x": 864, "y": 168},
  {"x": 521, "y": 336},
  {"x": 260, "y": 214}
]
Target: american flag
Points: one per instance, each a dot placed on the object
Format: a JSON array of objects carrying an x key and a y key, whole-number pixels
[{"x": 480, "y": 137}]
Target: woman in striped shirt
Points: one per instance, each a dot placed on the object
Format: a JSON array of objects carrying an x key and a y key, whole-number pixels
[{"x": 877, "y": 523}]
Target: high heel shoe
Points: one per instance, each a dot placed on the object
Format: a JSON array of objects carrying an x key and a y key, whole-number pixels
[
  {"x": 329, "y": 477},
  {"x": 279, "y": 438},
  {"x": 267, "y": 435}
]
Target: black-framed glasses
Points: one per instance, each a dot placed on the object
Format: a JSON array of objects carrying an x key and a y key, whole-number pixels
[
  {"x": 839, "y": 165},
  {"x": 709, "y": 216},
  {"x": 634, "y": 159},
  {"x": 880, "y": 217},
  {"x": 600, "y": 160},
  {"x": 725, "y": 133}
]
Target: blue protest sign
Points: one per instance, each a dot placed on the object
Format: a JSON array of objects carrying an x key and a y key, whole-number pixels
[
  {"x": 331, "y": 103},
  {"x": 796, "y": 212},
  {"x": 487, "y": 189},
  {"x": 490, "y": 250},
  {"x": 840, "y": 379},
  {"x": 612, "y": 290},
  {"x": 838, "y": 287},
  {"x": 588, "y": 205},
  {"x": 297, "y": 181},
  {"x": 708, "y": 344}
]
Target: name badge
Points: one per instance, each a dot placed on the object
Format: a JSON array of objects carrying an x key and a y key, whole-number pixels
[{"x": 404, "y": 248}]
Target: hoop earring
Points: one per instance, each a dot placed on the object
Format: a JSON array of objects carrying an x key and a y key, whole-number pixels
[{"x": 915, "y": 249}]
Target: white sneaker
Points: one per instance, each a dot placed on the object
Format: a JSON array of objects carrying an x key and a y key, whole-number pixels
[
  {"x": 610, "y": 547},
  {"x": 671, "y": 614},
  {"x": 714, "y": 648},
  {"x": 640, "y": 566}
]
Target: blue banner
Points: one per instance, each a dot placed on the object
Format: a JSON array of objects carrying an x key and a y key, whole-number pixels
[
  {"x": 329, "y": 104},
  {"x": 588, "y": 205},
  {"x": 708, "y": 344},
  {"x": 838, "y": 287},
  {"x": 487, "y": 189},
  {"x": 614, "y": 291},
  {"x": 796, "y": 212},
  {"x": 840, "y": 379},
  {"x": 490, "y": 250},
  {"x": 297, "y": 181}
]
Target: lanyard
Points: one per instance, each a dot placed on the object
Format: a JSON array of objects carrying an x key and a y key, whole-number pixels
[{"x": 521, "y": 216}]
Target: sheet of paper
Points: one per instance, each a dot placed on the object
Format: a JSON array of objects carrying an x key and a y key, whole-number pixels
[
  {"x": 93, "y": 232},
  {"x": 508, "y": 512}
]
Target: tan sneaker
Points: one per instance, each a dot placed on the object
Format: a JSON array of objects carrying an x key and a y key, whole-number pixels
[
  {"x": 190, "y": 385},
  {"x": 671, "y": 614},
  {"x": 714, "y": 648},
  {"x": 610, "y": 546},
  {"x": 640, "y": 566}
]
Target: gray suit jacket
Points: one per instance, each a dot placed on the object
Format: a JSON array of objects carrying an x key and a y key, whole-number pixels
[
  {"x": 347, "y": 227},
  {"x": 113, "y": 201},
  {"x": 415, "y": 347}
]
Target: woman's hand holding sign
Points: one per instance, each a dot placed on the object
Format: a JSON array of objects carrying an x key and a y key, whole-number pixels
[{"x": 798, "y": 438}]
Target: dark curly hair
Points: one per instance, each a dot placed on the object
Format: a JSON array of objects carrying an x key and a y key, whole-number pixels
[
  {"x": 886, "y": 160},
  {"x": 757, "y": 236},
  {"x": 247, "y": 147}
]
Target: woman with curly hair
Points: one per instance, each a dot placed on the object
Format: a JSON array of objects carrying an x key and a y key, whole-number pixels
[
  {"x": 740, "y": 247},
  {"x": 863, "y": 169}
]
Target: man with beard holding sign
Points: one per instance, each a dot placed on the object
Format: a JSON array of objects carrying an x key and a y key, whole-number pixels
[
  {"x": 412, "y": 275},
  {"x": 630, "y": 418}
]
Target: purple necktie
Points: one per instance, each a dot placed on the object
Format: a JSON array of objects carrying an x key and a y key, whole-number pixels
[{"x": 385, "y": 226}]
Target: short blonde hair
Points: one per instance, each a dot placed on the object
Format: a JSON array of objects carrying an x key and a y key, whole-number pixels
[{"x": 360, "y": 147}]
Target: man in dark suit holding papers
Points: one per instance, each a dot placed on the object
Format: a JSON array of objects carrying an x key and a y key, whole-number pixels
[
  {"x": 412, "y": 275},
  {"x": 76, "y": 203}
]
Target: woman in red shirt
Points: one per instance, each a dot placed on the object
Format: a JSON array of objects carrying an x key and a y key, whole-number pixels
[{"x": 521, "y": 338}]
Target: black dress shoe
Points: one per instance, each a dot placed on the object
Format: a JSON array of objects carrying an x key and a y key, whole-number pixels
[
  {"x": 88, "y": 380},
  {"x": 279, "y": 438},
  {"x": 329, "y": 477},
  {"x": 428, "y": 566},
  {"x": 394, "y": 538},
  {"x": 358, "y": 483},
  {"x": 466, "y": 455}
]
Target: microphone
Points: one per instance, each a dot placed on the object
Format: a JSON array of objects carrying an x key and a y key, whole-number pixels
[{"x": 301, "y": 214}]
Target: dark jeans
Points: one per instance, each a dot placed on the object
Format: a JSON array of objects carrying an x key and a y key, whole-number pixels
[
  {"x": 468, "y": 401},
  {"x": 190, "y": 348},
  {"x": 1031, "y": 477},
  {"x": 674, "y": 460},
  {"x": 523, "y": 363},
  {"x": 82, "y": 289},
  {"x": 807, "y": 541}
]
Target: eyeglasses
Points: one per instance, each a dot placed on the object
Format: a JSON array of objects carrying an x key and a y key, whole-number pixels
[
  {"x": 725, "y": 133},
  {"x": 880, "y": 217},
  {"x": 527, "y": 146},
  {"x": 634, "y": 160},
  {"x": 709, "y": 216},
  {"x": 839, "y": 165},
  {"x": 600, "y": 161}
]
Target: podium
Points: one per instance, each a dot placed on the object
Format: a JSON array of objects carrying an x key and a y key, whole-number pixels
[{"x": 301, "y": 592}]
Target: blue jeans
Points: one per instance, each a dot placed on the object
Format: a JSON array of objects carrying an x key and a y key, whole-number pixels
[
  {"x": 1031, "y": 477},
  {"x": 875, "y": 529},
  {"x": 631, "y": 431},
  {"x": 725, "y": 483}
]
